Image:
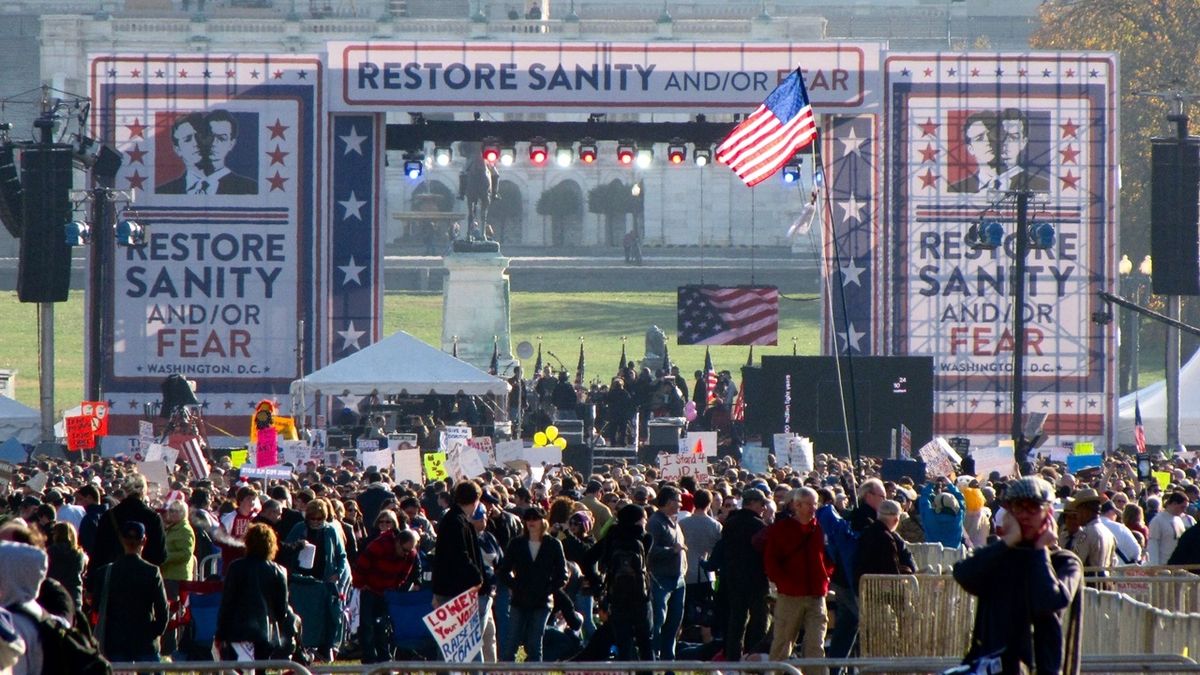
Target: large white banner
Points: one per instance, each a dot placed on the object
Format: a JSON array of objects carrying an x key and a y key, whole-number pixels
[{"x": 593, "y": 76}]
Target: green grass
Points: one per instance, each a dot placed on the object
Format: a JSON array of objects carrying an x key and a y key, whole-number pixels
[{"x": 560, "y": 319}]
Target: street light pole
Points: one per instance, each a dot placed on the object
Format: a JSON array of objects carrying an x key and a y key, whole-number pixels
[
  {"x": 1021, "y": 250},
  {"x": 102, "y": 239}
]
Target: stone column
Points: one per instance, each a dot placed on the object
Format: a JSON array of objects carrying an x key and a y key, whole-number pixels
[{"x": 475, "y": 307}]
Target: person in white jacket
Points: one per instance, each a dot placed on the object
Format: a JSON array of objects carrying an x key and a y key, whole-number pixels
[
  {"x": 1166, "y": 528},
  {"x": 1129, "y": 551}
]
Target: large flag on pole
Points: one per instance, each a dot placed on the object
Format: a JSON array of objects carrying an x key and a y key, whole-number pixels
[
  {"x": 494, "y": 365},
  {"x": 1139, "y": 432},
  {"x": 537, "y": 366},
  {"x": 772, "y": 134},
  {"x": 710, "y": 378}
]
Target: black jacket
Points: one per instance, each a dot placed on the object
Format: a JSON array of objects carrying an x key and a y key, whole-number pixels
[
  {"x": 1187, "y": 549},
  {"x": 107, "y": 546},
  {"x": 87, "y": 527},
  {"x": 741, "y": 566},
  {"x": 505, "y": 527},
  {"x": 457, "y": 563},
  {"x": 599, "y": 558},
  {"x": 255, "y": 598},
  {"x": 1019, "y": 588},
  {"x": 136, "y": 614},
  {"x": 370, "y": 501},
  {"x": 533, "y": 580},
  {"x": 881, "y": 552}
]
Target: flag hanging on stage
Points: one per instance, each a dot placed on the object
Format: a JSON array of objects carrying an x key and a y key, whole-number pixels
[
  {"x": 738, "y": 315},
  {"x": 782, "y": 125},
  {"x": 1139, "y": 432}
]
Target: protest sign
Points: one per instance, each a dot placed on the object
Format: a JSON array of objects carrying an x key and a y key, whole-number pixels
[
  {"x": 486, "y": 448},
  {"x": 457, "y": 628},
  {"x": 509, "y": 451},
  {"x": 145, "y": 434},
  {"x": 1054, "y": 453},
  {"x": 266, "y": 448},
  {"x": 703, "y": 443},
  {"x": 97, "y": 411},
  {"x": 155, "y": 471},
  {"x": 676, "y": 466},
  {"x": 435, "y": 466},
  {"x": 998, "y": 459},
  {"x": 162, "y": 453},
  {"x": 452, "y": 435},
  {"x": 406, "y": 464},
  {"x": 754, "y": 458},
  {"x": 1076, "y": 463},
  {"x": 463, "y": 462},
  {"x": 906, "y": 441},
  {"x": 267, "y": 472},
  {"x": 546, "y": 455},
  {"x": 940, "y": 459},
  {"x": 238, "y": 457},
  {"x": 402, "y": 441},
  {"x": 1163, "y": 479},
  {"x": 380, "y": 459},
  {"x": 1084, "y": 448},
  {"x": 80, "y": 434},
  {"x": 295, "y": 453},
  {"x": 800, "y": 454},
  {"x": 366, "y": 444},
  {"x": 38, "y": 482}
]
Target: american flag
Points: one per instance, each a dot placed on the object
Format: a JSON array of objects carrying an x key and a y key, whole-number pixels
[
  {"x": 772, "y": 134},
  {"x": 1139, "y": 432},
  {"x": 580, "y": 368},
  {"x": 739, "y": 315},
  {"x": 739, "y": 404},
  {"x": 710, "y": 378},
  {"x": 191, "y": 449}
]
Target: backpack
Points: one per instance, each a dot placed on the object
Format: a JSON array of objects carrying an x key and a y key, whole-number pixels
[
  {"x": 66, "y": 650},
  {"x": 627, "y": 579}
]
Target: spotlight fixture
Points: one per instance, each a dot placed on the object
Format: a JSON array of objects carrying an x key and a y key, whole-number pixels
[
  {"x": 676, "y": 152},
  {"x": 587, "y": 151},
  {"x": 702, "y": 156},
  {"x": 644, "y": 158},
  {"x": 988, "y": 234},
  {"x": 538, "y": 152},
  {"x": 507, "y": 156},
  {"x": 130, "y": 233},
  {"x": 413, "y": 168},
  {"x": 443, "y": 156},
  {"x": 563, "y": 156},
  {"x": 78, "y": 233},
  {"x": 1041, "y": 235},
  {"x": 491, "y": 152},
  {"x": 625, "y": 153},
  {"x": 791, "y": 173}
]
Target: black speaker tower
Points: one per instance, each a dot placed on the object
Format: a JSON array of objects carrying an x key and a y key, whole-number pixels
[{"x": 44, "y": 271}]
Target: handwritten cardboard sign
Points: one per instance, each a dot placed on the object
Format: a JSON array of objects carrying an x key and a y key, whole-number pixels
[
  {"x": 80, "y": 433},
  {"x": 457, "y": 628}
]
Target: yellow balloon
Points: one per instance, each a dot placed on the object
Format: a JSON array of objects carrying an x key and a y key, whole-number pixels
[
  {"x": 561, "y": 443},
  {"x": 551, "y": 432},
  {"x": 539, "y": 439}
]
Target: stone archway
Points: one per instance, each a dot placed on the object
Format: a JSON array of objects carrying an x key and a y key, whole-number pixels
[
  {"x": 505, "y": 214},
  {"x": 563, "y": 204}
]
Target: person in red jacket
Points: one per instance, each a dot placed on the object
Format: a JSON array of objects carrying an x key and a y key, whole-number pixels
[
  {"x": 795, "y": 561},
  {"x": 389, "y": 563}
]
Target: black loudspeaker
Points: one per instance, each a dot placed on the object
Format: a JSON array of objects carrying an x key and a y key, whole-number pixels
[
  {"x": 11, "y": 215},
  {"x": 176, "y": 392},
  {"x": 1175, "y": 216},
  {"x": 579, "y": 457},
  {"x": 44, "y": 271}
]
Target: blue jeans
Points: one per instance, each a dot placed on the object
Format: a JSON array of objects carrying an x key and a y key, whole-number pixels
[
  {"x": 585, "y": 605},
  {"x": 500, "y": 605},
  {"x": 526, "y": 627},
  {"x": 667, "y": 608}
]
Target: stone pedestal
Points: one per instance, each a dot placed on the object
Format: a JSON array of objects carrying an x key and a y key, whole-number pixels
[{"x": 475, "y": 307}]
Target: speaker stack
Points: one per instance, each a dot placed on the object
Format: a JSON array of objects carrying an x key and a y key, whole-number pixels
[{"x": 1175, "y": 215}]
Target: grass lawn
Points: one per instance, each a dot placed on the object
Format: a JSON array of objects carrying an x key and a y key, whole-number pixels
[{"x": 560, "y": 319}]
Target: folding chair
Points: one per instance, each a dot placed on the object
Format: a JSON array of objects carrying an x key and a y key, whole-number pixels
[
  {"x": 201, "y": 601},
  {"x": 409, "y": 634}
]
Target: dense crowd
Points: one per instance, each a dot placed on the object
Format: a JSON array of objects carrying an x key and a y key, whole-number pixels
[{"x": 619, "y": 564}]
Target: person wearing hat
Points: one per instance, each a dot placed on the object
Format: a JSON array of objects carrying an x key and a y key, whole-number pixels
[
  {"x": 132, "y": 601},
  {"x": 1127, "y": 550},
  {"x": 942, "y": 513},
  {"x": 742, "y": 576},
  {"x": 1025, "y": 586},
  {"x": 1084, "y": 535}
]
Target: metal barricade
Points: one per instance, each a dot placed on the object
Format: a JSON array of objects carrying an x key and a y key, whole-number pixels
[
  {"x": 1165, "y": 588},
  {"x": 280, "y": 666},
  {"x": 931, "y": 613},
  {"x": 934, "y": 558}
]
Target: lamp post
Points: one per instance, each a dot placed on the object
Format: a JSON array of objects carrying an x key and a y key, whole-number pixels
[{"x": 1128, "y": 336}]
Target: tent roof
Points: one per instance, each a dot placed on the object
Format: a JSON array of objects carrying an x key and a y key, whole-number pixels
[
  {"x": 19, "y": 420},
  {"x": 400, "y": 363},
  {"x": 1152, "y": 399}
]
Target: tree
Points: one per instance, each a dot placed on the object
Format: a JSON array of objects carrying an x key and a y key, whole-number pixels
[
  {"x": 563, "y": 204},
  {"x": 613, "y": 200}
]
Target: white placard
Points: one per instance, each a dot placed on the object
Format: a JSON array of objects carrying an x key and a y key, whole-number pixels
[
  {"x": 509, "y": 451},
  {"x": 999, "y": 459},
  {"x": 800, "y": 454},
  {"x": 267, "y": 473},
  {"x": 380, "y": 459},
  {"x": 295, "y": 453},
  {"x": 462, "y": 461},
  {"x": 548, "y": 455},
  {"x": 676, "y": 466},
  {"x": 940, "y": 459},
  {"x": 155, "y": 471},
  {"x": 699, "y": 442},
  {"x": 754, "y": 458},
  {"x": 452, "y": 435},
  {"x": 407, "y": 465},
  {"x": 402, "y": 441}
]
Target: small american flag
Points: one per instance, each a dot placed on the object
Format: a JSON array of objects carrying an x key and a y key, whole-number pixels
[
  {"x": 710, "y": 378},
  {"x": 191, "y": 449},
  {"x": 772, "y": 134},
  {"x": 738, "y": 315},
  {"x": 739, "y": 404},
  {"x": 1139, "y": 432}
]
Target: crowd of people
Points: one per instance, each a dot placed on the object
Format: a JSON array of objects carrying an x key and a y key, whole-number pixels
[{"x": 617, "y": 564}]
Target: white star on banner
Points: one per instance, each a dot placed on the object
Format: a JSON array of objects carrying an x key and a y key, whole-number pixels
[
  {"x": 851, "y": 143},
  {"x": 353, "y": 141},
  {"x": 353, "y": 272},
  {"x": 852, "y": 273},
  {"x": 350, "y": 400},
  {"x": 353, "y": 207},
  {"x": 851, "y": 337},
  {"x": 350, "y": 337},
  {"x": 851, "y": 209}
]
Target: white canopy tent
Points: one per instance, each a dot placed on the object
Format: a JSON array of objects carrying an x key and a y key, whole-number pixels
[
  {"x": 19, "y": 421},
  {"x": 1152, "y": 400},
  {"x": 398, "y": 364}
]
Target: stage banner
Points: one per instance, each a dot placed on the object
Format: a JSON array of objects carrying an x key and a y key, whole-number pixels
[{"x": 965, "y": 133}]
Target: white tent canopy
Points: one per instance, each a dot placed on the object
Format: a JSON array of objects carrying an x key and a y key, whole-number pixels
[
  {"x": 399, "y": 364},
  {"x": 1152, "y": 400},
  {"x": 18, "y": 420}
]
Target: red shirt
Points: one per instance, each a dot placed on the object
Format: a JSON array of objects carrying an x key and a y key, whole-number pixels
[
  {"x": 795, "y": 560},
  {"x": 379, "y": 568}
]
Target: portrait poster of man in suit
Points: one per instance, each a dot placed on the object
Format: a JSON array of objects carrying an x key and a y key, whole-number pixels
[
  {"x": 211, "y": 153},
  {"x": 998, "y": 150}
]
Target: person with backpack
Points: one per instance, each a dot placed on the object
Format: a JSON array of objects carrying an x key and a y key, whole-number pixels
[
  {"x": 131, "y": 600},
  {"x": 621, "y": 554}
]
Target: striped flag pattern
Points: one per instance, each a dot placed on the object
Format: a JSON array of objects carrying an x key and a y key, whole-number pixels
[
  {"x": 710, "y": 378},
  {"x": 191, "y": 450},
  {"x": 1139, "y": 431},
  {"x": 782, "y": 125},
  {"x": 737, "y": 315}
]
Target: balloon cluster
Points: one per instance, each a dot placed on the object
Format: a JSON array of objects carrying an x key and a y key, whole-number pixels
[{"x": 549, "y": 437}]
